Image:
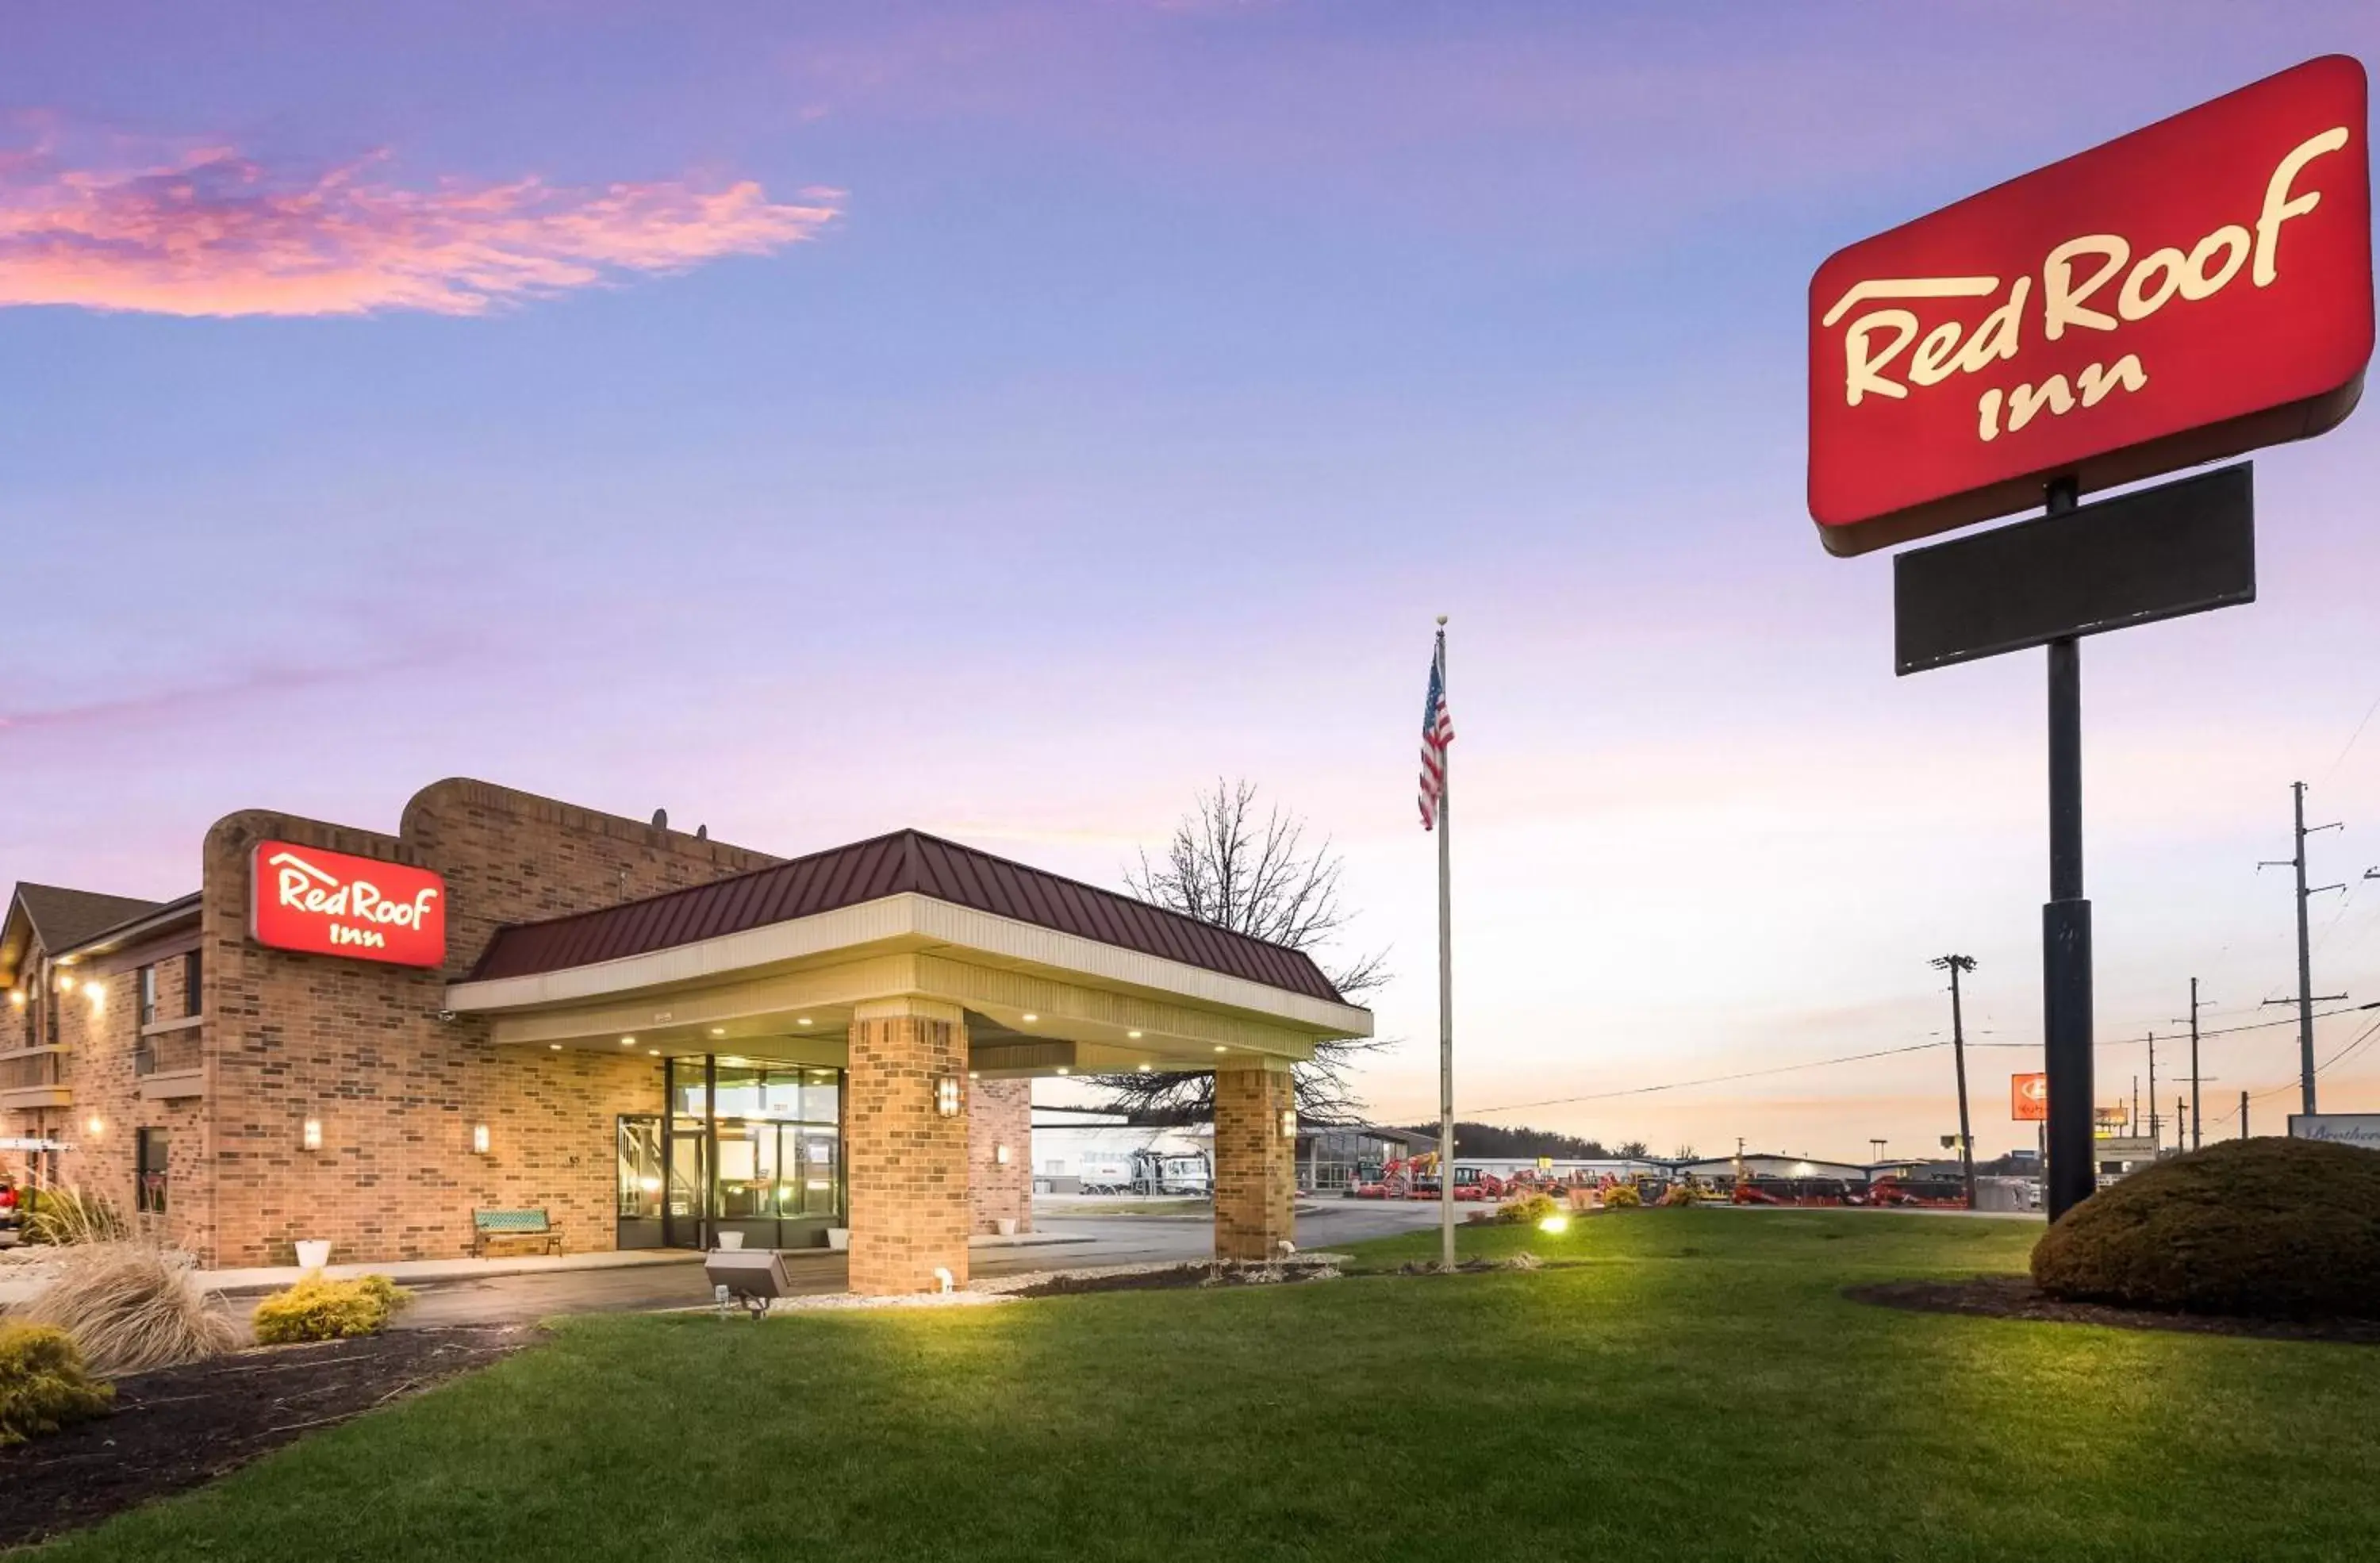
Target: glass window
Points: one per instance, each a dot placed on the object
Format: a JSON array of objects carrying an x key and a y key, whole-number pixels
[
  {"x": 148, "y": 994},
  {"x": 193, "y": 968},
  {"x": 148, "y": 1171}
]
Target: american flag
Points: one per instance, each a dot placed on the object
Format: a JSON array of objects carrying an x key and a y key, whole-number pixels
[{"x": 1437, "y": 732}]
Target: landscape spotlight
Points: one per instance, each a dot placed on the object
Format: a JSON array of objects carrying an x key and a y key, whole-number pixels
[{"x": 1557, "y": 1222}]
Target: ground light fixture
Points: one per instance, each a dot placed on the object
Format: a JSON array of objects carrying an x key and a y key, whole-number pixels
[
  {"x": 946, "y": 1094},
  {"x": 309, "y": 1134},
  {"x": 1557, "y": 1222},
  {"x": 480, "y": 1139}
]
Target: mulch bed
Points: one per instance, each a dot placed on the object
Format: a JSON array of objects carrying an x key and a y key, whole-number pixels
[
  {"x": 2015, "y": 1297},
  {"x": 179, "y": 1427}
]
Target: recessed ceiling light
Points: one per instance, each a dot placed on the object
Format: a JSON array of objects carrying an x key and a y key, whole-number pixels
[
  {"x": 1144, "y": 1068},
  {"x": 1031, "y": 1018},
  {"x": 1220, "y": 1048},
  {"x": 804, "y": 1021},
  {"x": 719, "y": 1031},
  {"x": 627, "y": 1041},
  {"x": 1134, "y": 1035},
  {"x": 1061, "y": 1069},
  {"x": 555, "y": 1046},
  {"x": 652, "y": 1053}
]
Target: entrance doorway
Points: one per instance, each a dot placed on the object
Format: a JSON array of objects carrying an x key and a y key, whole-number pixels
[{"x": 754, "y": 1149}]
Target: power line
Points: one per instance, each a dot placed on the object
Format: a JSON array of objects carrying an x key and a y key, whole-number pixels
[
  {"x": 2361, "y": 1037},
  {"x": 1858, "y": 1057},
  {"x": 1716, "y": 1079}
]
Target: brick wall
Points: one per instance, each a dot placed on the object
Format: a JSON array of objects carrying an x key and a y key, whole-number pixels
[
  {"x": 1255, "y": 1164},
  {"x": 360, "y": 1047},
  {"x": 907, "y": 1165},
  {"x": 1000, "y": 1112}
]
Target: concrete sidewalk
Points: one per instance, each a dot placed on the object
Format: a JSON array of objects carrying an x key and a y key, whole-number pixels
[{"x": 258, "y": 1279}]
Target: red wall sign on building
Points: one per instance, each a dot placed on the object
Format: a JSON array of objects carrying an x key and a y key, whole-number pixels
[
  {"x": 333, "y": 904},
  {"x": 2029, "y": 1097},
  {"x": 2184, "y": 293}
]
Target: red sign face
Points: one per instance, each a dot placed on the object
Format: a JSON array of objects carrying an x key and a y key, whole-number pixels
[
  {"x": 2029, "y": 1099},
  {"x": 2184, "y": 293},
  {"x": 332, "y": 903}
]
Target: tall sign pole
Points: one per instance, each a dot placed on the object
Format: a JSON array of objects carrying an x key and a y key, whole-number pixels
[{"x": 2072, "y": 1173}]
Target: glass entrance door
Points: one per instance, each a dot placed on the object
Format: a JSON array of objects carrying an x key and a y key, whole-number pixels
[
  {"x": 779, "y": 1175},
  {"x": 638, "y": 1217}
]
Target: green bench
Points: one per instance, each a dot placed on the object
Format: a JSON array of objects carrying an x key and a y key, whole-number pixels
[{"x": 487, "y": 1224}]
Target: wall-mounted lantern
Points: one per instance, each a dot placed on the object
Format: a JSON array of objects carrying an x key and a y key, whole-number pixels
[
  {"x": 310, "y": 1136},
  {"x": 95, "y": 1126},
  {"x": 479, "y": 1140},
  {"x": 1289, "y": 1123},
  {"x": 946, "y": 1094},
  {"x": 1000, "y": 1154}
]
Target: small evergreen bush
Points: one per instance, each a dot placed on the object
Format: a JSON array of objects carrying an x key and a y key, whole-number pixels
[
  {"x": 2270, "y": 1227},
  {"x": 320, "y": 1309},
  {"x": 43, "y": 1383}
]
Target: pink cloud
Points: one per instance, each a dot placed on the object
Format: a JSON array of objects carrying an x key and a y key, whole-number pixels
[{"x": 206, "y": 231}]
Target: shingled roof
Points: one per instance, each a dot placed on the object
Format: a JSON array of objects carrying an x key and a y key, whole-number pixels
[
  {"x": 906, "y": 862},
  {"x": 56, "y": 918}
]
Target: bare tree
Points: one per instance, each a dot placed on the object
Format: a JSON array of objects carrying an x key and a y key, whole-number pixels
[{"x": 1246, "y": 866}]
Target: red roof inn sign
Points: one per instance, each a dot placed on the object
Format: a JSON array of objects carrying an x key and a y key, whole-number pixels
[
  {"x": 2181, "y": 295},
  {"x": 2187, "y": 292},
  {"x": 333, "y": 904}
]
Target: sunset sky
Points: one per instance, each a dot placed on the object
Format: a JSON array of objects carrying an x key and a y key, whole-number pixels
[{"x": 1006, "y": 419}]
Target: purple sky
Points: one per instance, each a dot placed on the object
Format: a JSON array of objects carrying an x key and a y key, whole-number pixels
[{"x": 1004, "y": 418}]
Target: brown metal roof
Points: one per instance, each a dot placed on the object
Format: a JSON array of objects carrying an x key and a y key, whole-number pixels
[{"x": 904, "y": 862}]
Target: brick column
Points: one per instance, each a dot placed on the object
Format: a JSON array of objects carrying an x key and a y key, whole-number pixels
[
  {"x": 907, "y": 1164},
  {"x": 1255, "y": 1164},
  {"x": 1000, "y": 1114}
]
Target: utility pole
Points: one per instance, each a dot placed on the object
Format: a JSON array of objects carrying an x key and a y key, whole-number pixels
[
  {"x": 2153, "y": 1111},
  {"x": 2305, "y": 999},
  {"x": 1955, "y": 964},
  {"x": 2197, "y": 1127},
  {"x": 2136, "y": 1124},
  {"x": 2244, "y": 1115}
]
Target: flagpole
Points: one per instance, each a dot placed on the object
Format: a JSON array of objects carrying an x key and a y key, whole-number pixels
[{"x": 1445, "y": 987}]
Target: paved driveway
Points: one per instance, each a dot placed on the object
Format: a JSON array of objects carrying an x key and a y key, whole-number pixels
[{"x": 1107, "y": 1240}]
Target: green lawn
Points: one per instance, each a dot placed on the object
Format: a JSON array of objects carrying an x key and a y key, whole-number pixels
[{"x": 1678, "y": 1385}]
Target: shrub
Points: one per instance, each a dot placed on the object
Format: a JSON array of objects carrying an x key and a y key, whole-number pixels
[
  {"x": 132, "y": 1306},
  {"x": 69, "y": 1216},
  {"x": 1622, "y": 1196},
  {"x": 43, "y": 1383},
  {"x": 320, "y": 1309},
  {"x": 2272, "y": 1228},
  {"x": 1679, "y": 1193},
  {"x": 1528, "y": 1210}
]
